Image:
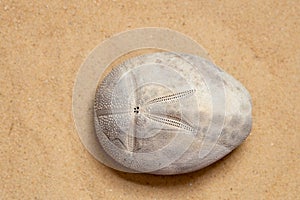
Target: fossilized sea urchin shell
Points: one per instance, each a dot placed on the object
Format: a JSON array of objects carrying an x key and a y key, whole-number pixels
[{"x": 170, "y": 113}]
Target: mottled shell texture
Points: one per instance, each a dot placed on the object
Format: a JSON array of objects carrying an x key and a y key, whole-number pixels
[{"x": 169, "y": 113}]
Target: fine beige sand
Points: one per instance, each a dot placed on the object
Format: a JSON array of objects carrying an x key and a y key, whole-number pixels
[{"x": 42, "y": 46}]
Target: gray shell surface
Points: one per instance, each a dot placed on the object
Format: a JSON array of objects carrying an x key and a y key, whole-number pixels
[{"x": 169, "y": 113}]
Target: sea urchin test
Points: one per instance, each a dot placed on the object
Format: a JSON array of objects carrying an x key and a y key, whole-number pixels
[{"x": 169, "y": 113}]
